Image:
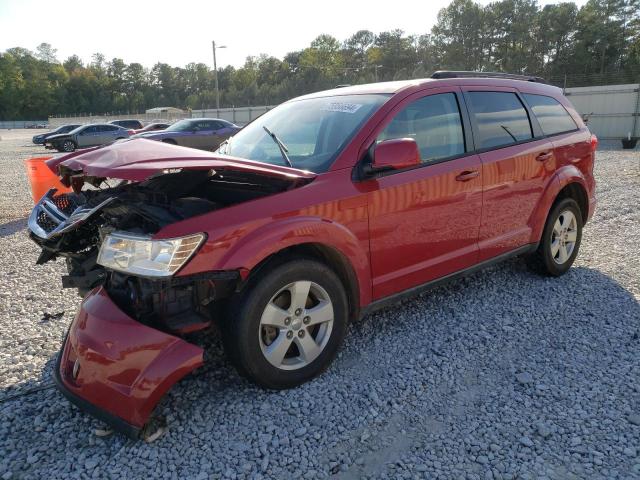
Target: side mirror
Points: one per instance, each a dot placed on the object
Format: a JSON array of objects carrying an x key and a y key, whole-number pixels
[
  {"x": 395, "y": 154},
  {"x": 195, "y": 129}
]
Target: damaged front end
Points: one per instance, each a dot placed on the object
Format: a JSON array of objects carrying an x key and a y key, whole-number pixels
[{"x": 125, "y": 349}]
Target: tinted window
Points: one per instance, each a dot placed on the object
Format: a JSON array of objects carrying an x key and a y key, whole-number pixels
[
  {"x": 551, "y": 115},
  {"x": 501, "y": 118},
  {"x": 435, "y": 124},
  {"x": 90, "y": 130}
]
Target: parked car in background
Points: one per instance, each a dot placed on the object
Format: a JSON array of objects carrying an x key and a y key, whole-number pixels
[
  {"x": 87, "y": 136},
  {"x": 39, "y": 139},
  {"x": 153, "y": 127},
  {"x": 328, "y": 207},
  {"x": 201, "y": 133},
  {"x": 130, "y": 124}
]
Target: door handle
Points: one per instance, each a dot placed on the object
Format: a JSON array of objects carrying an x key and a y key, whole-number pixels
[
  {"x": 467, "y": 175},
  {"x": 544, "y": 156}
]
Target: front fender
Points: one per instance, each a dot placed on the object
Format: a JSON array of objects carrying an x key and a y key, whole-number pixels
[
  {"x": 269, "y": 239},
  {"x": 564, "y": 176}
]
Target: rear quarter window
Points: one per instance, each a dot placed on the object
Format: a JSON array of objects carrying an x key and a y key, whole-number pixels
[
  {"x": 500, "y": 118},
  {"x": 551, "y": 114}
]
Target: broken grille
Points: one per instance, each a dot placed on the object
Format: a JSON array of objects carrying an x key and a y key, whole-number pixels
[{"x": 53, "y": 215}]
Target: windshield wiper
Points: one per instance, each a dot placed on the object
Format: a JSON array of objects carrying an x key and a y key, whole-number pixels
[{"x": 281, "y": 146}]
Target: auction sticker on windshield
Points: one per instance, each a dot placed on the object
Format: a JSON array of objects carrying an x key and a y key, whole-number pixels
[{"x": 342, "y": 107}]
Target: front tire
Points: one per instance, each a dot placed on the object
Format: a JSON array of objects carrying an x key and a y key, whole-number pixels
[
  {"x": 68, "y": 146},
  {"x": 560, "y": 241},
  {"x": 287, "y": 325}
]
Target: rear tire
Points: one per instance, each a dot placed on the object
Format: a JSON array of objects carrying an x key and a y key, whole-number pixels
[
  {"x": 560, "y": 241},
  {"x": 287, "y": 325}
]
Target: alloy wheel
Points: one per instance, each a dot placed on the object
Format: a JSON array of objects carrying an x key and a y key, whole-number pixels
[
  {"x": 296, "y": 325},
  {"x": 68, "y": 146},
  {"x": 564, "y": 236}
]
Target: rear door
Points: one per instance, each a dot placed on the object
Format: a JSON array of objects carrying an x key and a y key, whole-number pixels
[
  {"x": 424, "y": 221},
  {"x": 111, "y": 132},
  {"x": 517, "y": 163}
]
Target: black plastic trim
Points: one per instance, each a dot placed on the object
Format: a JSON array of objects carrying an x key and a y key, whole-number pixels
[
  {"x": 414, "y": 291},
  {"x": 117, "y": 423},
  {"x": 440, "y": 74}
]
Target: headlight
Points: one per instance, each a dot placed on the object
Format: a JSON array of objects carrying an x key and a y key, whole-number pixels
[{"x": 140, "y": 255}]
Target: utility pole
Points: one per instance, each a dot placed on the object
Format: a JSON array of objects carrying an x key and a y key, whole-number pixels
[
  {"x": 376, "y": 67},
  {"x": 215, "y": 70}
]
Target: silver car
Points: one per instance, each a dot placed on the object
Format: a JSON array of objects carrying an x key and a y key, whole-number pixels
[{"x": 87, "y": 136}]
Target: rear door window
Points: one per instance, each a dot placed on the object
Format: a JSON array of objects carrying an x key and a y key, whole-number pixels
[
  {"x": 500, "y": 117},
  {"x": 552, "y": 116},
  {"x": 435, "y": 124}
]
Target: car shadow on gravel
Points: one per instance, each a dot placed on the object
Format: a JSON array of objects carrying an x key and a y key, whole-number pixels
[
  {"x": 411, "y": 381},
  {"x": 12, "y": 226},
  {"x": 22, "y": 389}
]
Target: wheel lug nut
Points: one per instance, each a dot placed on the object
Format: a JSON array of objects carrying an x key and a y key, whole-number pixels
[
  {"x": 298, "y": 311},
  {"x": 287, "y": 321},
  {"x": 306, "y": 320},
  {"x": 301, "y": 333},
  {"x": 289, "y": 334}
]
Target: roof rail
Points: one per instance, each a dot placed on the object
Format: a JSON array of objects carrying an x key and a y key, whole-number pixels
[{"x": 465, "y": 74}]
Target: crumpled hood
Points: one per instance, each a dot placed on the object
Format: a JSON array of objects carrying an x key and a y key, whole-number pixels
[{"x": 138, "y": 159}]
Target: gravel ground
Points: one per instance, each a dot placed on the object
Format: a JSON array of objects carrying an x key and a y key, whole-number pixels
[{"x": 501, "y": 375}]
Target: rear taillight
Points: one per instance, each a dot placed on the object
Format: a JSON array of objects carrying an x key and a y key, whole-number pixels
[
  {"x": 131, "y": 132},
  {"x": 594, "y": 142}
]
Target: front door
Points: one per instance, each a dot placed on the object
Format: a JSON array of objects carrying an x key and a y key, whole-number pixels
[
  {"x": 424, "y": 222},
  {"x": 203, "y": 136},
  {"x": 87, "y": 137}
]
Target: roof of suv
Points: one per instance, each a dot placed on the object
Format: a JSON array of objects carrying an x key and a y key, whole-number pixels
[{"x": 397, "y": 86}]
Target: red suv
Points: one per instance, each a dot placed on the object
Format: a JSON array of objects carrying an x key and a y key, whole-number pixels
[{"x": 320, "y": 211}]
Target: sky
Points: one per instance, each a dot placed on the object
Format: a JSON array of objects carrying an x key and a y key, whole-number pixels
[{"x": 180, "y": 32}]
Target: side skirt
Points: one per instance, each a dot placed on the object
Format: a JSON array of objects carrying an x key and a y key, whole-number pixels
[{"x": 415, "y": 291}]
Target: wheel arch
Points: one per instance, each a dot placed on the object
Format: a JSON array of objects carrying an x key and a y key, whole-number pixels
[
  {"x": 577, "y": 192},
  {"x": 567, "y": 183},
  {"x": 323, "y": 253}
]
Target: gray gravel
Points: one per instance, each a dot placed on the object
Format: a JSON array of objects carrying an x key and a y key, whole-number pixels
[{"x": 501, "y": 375}]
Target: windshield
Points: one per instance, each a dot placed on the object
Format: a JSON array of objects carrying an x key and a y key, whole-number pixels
[
  {"x": 181, "y": 126},
  {"x": 313, "y": 131}
]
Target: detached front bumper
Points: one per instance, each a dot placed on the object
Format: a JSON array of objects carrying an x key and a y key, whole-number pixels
[{"x": 118, "y": 369}]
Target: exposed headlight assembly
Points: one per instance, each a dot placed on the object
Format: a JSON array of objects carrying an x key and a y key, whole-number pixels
[{"x": 140, "y": 255}]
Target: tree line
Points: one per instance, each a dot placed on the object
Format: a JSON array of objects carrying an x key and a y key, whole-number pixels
[{"x": 517, "y": 36}]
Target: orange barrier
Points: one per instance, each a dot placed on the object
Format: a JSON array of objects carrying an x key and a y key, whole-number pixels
[{"x": 41, "y": 178}]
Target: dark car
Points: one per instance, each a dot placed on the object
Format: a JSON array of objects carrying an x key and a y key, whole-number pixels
[
  {"x": 201, "y": 133},
  {"x": 87, "y": 136},
  {"x": 129, "y": 124},
  {"x": 153, "y": 127},
  {"x": 320, "y": 211},
  {"x": 39, "y": 139}
]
